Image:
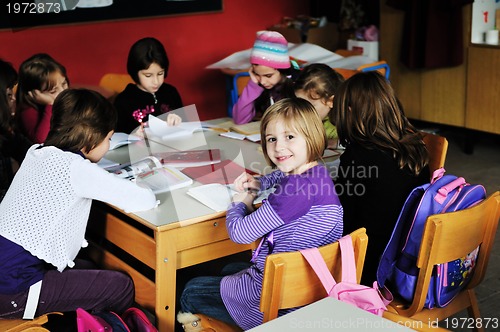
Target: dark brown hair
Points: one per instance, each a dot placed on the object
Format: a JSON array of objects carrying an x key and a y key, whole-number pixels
[
  {"x": 8, "y": 79},
  {"x": 143, "y": 53},
  {"x": 319, "y": 81},
  {"x": 284, "y": 89},
  {"x": 81, "y": 119},
  {"x": 34, "y": 73},
  {"x": 367, "y": 112}
]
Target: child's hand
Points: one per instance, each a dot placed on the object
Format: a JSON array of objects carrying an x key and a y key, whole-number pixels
[
  {"x": 252, "y": 76},
  {"x": 247, "y": 198},
  {"x": 173, "y": 119},
  {"x": 139, "y": 132},
  {"x": 42, "y": 98},
  {"x": 246, "y": 182}
]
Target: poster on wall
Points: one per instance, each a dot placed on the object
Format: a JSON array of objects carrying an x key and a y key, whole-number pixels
[{"x": 23, "y": 14}]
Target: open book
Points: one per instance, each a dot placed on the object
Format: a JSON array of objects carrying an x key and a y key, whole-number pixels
[
  {"x": 218, "y": 196},
  {"x": 247, "y": 129},
  {"x": 151, "y": 173},
  {"x": 120, "y": 139},
  {"x": 160, "y": 128},
  {"x": 230, "y": 134}
]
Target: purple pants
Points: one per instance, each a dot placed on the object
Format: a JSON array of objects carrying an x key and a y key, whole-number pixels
[{"x": 92, "y": 290}]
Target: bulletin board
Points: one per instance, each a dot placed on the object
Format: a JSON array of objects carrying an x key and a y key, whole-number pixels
[{"x": 31, "y": 13}]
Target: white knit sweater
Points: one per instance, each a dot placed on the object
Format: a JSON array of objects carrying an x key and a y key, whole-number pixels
[{"x": 48, "y": 203}]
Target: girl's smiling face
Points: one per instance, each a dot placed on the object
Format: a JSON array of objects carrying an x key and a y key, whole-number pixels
[
  {"x": 286, "y": 148},
  {"x": 152, "y": 78}
]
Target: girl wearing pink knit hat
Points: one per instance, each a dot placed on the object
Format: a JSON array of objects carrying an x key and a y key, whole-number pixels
[{"x": 270, "y": 77}]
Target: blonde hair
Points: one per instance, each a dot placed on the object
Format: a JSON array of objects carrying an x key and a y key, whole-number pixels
[{"x": 300, "y": 115}]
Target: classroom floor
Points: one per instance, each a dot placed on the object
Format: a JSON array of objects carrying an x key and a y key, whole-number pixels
[{"x": 480, "y": 167}]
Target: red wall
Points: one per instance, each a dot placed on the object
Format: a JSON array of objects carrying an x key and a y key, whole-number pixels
[{"x": 192, "y": 42}]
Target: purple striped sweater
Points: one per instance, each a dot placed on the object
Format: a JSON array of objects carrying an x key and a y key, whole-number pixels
[{"x": 303, "y": 212}]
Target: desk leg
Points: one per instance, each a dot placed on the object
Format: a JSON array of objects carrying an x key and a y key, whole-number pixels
[{"x": 166, "y": 269}]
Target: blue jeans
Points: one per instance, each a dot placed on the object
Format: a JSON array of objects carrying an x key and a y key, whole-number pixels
[{"x": 202, "y": 294}]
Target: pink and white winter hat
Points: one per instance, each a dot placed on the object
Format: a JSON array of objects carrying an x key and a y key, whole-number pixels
[{"x": 270, "y": 49}]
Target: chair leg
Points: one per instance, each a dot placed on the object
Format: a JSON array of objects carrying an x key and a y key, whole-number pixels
[{"x": 473, "y": 310}]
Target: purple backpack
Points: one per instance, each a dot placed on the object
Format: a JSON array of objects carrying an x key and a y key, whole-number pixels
[{"x": 397, "y": 267}]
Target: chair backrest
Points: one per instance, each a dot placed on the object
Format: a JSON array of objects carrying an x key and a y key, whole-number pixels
[
  {"x": 115, "y": 82},
  {"x": 346, "y": 73},
  {"x": 437, "y": 146},
  {"x": 239, "y": 82},
  {"x": 453, "y": 235},
  {"x": 289, "y": 281},
  {"x": 380, "y": 66}
]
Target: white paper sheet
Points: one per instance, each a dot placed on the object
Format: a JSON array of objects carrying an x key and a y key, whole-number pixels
[
  {"x": 310, "y": 53},
  {"x": 161, "y": 129},
  {"x": 306, "y": 52}
]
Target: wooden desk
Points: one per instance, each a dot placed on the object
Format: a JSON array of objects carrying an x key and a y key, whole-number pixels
[
  {"x": 329, "y": 314},
  {"x": 165, "y": 249},
  {"x": 181, "y": 232}
]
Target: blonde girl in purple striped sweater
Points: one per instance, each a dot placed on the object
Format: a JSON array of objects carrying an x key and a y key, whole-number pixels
[{"x": 304, "y": 211}]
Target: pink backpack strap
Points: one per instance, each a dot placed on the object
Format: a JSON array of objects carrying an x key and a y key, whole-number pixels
[
  {"x": 314, "y": 258},
  {"x": 443, "y": 192},
  {"x": 348, "y": 262},
  {"x": 437, "y": 174}
]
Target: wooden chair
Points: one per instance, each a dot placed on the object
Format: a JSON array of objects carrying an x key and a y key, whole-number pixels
[
  {"x": 239, "y": 82},
  {"x": 115, "y": 82},
  {"x": 447, "y": 237},
  {"x": 437, "y": 146},
  {"x": 18, "y": 325},
  {"x": 290, "y": 282},
  {"x": 346, "y": 73},
  {"x": 380, "y": 66},
  {"x": 413, "y": 324}
]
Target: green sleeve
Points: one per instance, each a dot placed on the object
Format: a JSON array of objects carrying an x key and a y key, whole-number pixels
[{"x": 330, "y": 129}]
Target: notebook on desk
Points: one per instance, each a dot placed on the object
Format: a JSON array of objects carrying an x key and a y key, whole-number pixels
[{"x": 247, "y": 129}]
